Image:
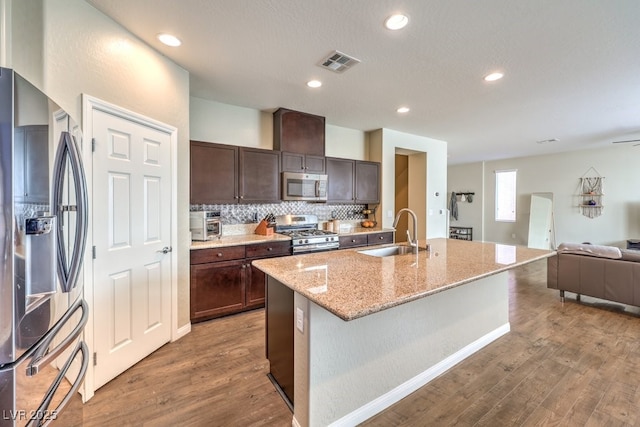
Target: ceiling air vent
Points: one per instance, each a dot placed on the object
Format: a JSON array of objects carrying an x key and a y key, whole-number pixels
[{"x": 339, "y": 62}]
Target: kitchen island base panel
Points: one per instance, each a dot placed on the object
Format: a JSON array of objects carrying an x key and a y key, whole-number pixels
[{"x": 346, "y": 372}]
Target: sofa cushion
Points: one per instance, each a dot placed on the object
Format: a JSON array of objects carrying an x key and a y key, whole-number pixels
[
  {"x": 630, "y": 255},
  {"x": 590, "y": 250}
]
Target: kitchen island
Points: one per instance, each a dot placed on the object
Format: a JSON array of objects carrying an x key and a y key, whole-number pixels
[{"x": 370, "y": 330}]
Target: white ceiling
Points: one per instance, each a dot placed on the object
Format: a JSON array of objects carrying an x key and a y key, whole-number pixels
[{"x": 572, "y": 67}]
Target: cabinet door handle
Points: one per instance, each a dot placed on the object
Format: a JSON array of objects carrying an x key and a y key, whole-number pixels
[
  {"x": 381, "y": 238},
  {"x": 269, "y": 249},
  {"x": 219, "y": 254},
  {"x": 244, "y": 265},
  {"x": 353, "y": 240}
]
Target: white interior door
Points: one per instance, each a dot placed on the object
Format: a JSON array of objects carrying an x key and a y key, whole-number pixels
[{"x": 131, "y": 219}]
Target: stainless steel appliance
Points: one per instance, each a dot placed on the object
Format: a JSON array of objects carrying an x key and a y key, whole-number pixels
[
  {"x": 304, "y": 186},
  {"x": 43, "y": 225},
  {"x": 305, "y": 235},
  {"x": 205, "y": 225}
]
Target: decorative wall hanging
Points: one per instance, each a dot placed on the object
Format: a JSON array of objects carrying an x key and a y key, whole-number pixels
[{"x": 591, "y": 193}]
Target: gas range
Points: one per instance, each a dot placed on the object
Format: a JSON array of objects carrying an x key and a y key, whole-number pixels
[{"x": 304, "y": 233}]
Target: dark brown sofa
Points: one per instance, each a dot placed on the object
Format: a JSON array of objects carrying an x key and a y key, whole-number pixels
[{"x": 604, "y": 272}]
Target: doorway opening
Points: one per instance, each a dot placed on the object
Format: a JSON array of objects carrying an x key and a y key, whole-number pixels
[{"x": 411, "y": 191}]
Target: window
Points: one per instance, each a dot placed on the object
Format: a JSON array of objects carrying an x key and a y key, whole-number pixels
[{"x": 506, "y": 195}]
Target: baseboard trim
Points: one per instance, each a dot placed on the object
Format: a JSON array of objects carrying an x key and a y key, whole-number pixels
[
  {"x": 182, "y": 331},
  {"x": 403, "y": 390}
]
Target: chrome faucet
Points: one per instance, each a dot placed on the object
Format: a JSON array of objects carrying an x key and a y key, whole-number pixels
[{"x": 412, "y": 242}]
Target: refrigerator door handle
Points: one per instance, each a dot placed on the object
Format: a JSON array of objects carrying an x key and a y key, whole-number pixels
[
  {"x": 68, "y": 151},
  {"x": 40, "y": 357},
  {"x": 43, "y": 410}
]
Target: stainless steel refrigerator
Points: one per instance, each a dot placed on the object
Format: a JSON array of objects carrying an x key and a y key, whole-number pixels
[{"x": 43, "y": 226}]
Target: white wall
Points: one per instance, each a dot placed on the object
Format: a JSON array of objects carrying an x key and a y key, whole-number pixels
[
  {"x": 83, "y": 51},
  {"x": 468, "y": 178},
  {"x": 212, "y": 121},
  {"x": 383, "y": 146},
  {"x": 560, "y": 174}
]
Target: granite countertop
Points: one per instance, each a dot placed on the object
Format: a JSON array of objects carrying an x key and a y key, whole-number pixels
[
  {"x": 246, "y": 239},
  {"x": 352, "y": 285},
  {"x": 237, "y": 240}
]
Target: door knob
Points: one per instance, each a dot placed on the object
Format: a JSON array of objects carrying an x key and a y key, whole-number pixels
[{"x": 166, "y": 249}]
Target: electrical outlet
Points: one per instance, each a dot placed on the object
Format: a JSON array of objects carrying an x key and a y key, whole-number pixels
[{"x": 300, "y": 319}]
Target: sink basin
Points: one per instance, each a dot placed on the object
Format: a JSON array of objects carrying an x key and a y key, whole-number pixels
[{"x": 390, "y": 251}]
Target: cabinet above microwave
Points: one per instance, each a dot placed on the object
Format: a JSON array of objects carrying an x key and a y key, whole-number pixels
[{"x": 298, "y": 132}]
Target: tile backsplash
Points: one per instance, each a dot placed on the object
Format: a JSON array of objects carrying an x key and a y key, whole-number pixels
[{"x": 248, "y": 213}]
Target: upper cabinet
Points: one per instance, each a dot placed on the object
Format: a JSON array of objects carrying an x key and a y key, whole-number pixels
[
  {"x": 297, "y": 132},
  {"x": 226, "y": 174},
  {"x": 353, "y": 181},
  {"x": 295, "y": 162},
  {"x": 259, "y": 175},
  {"x": 367, "y": 183},
  {"x": 341, "y": 175},
  {"x": 214, "y": 173}
]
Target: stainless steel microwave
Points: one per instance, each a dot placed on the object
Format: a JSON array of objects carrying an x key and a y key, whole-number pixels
[{"x": 304, "y": 186}]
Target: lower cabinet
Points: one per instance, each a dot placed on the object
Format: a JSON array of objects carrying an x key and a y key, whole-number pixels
[
  {"x": 223, "y": 281},
  {"x": 369, "y": 239}
]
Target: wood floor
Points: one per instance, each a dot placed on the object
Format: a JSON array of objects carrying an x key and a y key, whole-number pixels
[{"x": 571, "y": 364}]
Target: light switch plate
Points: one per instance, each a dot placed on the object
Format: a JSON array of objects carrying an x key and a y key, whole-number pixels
[{"x": 300, "y": 319}]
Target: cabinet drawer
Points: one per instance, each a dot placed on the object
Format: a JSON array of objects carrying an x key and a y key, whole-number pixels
[
  {"x": 200, "y": 256},
  {"x": 260, "y": 250},
  {"x": 380, "y": 238},
  {"x": 353, "y": 241}
]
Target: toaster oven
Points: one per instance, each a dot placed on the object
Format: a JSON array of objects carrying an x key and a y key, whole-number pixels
[{"x": 205, "y": 225}]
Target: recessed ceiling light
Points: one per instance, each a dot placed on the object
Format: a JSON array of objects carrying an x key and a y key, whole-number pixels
[
  {"x": 493, "y": 77},
  {"x": 403, "y": 110},
  {"x": 396, "y": 22},
  {"x": 314, "y": 83},
  {"x": 169, "y": 40}
]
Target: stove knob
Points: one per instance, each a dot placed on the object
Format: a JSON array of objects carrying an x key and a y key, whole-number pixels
[
  {"x": 306, "y": 241},
  {"x": 327, "y": 239},
  {"x": 300, "y": 241}
]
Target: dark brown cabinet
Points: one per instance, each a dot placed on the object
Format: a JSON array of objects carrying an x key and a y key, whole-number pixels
[
  {"x": 31, "y": 152},
  {"x": 341, "y": 175},
  {"x": 228, "y": 174},
  {"x": 297, "y": 132},
  {"x": 295, "y": 162},
  {"x": 353, "y": 181},
  {"x": 214, "y": 173},
  {"x": 353, "y": 241},
  {"x": 217, "y": 282},
  {"x": 259, "y": 175},
  {"x": 257, "y": 279},
  {"x": 223, "y": 281},
  {"x": 367, "y": 182},
  {"x": 381, "y": 238},
  {"x": 368, "y": 239}
]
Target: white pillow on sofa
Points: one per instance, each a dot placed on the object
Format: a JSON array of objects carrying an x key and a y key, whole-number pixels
[{"x": 590, "y": 250}]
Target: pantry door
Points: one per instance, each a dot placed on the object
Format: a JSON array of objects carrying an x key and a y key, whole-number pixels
[{"x": 131, "y": 228}]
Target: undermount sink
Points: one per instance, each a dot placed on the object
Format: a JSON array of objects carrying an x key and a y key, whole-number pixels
[{"x": 390, "y": 251}]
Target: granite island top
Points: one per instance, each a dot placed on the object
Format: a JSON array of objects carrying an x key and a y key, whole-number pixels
[{"x": 350, "y": 284}]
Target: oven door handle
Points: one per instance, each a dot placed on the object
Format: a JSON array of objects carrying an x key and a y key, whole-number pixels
[
  {"x": 317, "y": 188},
  {"x": 39, "y": 416},
  {"x": 41, "y": 358}
]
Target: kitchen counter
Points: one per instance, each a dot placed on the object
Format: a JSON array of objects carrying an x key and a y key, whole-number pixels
[
  {"x": 247, "y": 239},
  {"x": 350, "y": 284},
  {"x": 236, "y": 240},
  {"x": 350, "y": 334}
]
